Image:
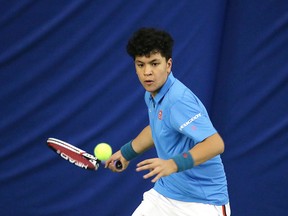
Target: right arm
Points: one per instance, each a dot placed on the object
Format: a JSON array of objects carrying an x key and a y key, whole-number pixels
[
  {"x": 143, "y": 141},
  {"x": 140, "y": 144}
]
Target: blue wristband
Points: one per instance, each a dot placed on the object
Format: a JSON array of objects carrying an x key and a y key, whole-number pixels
[
  {"x": 128, "y": 152},
  {"x": 184, "y": 161}
]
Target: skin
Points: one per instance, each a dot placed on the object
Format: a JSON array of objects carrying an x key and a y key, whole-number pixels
[{"x": 153, "y": 71}]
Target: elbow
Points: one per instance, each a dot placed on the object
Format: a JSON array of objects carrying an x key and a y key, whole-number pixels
[{"x": 221, "y": 147}]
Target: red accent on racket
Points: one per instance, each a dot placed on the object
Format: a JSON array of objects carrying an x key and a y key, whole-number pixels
[{"x": 76, "y": 155}]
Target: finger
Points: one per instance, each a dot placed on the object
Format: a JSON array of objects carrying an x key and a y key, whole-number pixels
[
  {"x": 143, "y": 163},
  {"x": 144, "y": 167},
  {"x": 153, "y": 172},
  {"x": 150, "y": 174},
  {"x": 156, "y": 178},
  {"x": 110, "y": 165},
  {"x": 107, "y": 163}
]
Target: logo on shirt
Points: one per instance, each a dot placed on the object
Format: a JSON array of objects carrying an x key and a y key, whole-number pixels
[
  {"x": 160, "y": 115},
  {"x": 189, "y": 121},
  {"x": 185, "y": 155},
  {"x": 193, "y": 127}
]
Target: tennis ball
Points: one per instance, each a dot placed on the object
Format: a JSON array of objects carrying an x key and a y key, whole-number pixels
[{"x": 103, "y": 151}]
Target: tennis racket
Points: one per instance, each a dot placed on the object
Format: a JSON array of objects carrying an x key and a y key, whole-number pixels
[{"x": 76, "y": 155}]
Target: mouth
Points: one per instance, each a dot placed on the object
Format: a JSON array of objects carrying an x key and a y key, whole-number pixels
[{"x": 148, "y": 82}]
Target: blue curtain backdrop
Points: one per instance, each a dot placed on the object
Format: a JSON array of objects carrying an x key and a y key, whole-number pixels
[{"x": 64, "y": 73}]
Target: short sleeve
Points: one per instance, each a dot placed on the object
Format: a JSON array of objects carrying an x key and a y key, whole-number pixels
[{"x": 189, "y": 116}]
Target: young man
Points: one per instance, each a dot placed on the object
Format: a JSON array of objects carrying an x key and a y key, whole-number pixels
[{"x": 188, "y": 173}]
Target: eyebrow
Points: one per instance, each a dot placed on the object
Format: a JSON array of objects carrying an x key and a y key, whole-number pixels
[{"x": 153, "y": 60}]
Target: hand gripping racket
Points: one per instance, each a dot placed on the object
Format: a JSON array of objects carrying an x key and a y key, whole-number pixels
[{"x": 76, "y": 155}]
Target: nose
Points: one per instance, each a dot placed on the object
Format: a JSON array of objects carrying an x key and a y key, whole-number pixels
[{"x": 147, "y": 70}]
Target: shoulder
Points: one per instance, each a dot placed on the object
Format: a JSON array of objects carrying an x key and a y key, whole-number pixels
[
  {"x": 181, "y": 99},
  {"x": 179, "y": 92}
]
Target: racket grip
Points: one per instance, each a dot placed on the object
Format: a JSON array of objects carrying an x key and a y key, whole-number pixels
[{"x": 118, "y": 164}]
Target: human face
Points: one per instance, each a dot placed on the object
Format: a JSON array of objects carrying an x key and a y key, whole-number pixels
[{"x": 152, "y": 71}]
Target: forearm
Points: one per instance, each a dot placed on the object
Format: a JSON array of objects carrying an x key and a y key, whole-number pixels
[
  {"x": 200, "y": 153},
  {"x": 209, "y": 148},
  {"x": 143, "y": 141},
  {"x": 137, "y": 146}
]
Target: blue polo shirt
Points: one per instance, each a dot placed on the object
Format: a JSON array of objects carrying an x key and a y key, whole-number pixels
[{"x": 179, "y": 121}]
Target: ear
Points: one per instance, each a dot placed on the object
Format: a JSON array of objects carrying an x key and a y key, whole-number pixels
[{"x": 169, "y": 65}]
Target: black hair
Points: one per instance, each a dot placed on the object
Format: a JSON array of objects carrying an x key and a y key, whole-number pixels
[{"x": 147, "y": 41}]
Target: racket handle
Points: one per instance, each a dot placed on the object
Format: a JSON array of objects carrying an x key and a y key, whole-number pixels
[{"x": 118, "y": 164}]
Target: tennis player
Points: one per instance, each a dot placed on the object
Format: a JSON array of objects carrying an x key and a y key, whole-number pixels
[{"x": 188, "y": 173}]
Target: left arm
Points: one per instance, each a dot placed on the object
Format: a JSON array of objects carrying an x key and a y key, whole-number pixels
[
  {"x": 207, "y": 149},
  {"x": 203, "y": 151}
]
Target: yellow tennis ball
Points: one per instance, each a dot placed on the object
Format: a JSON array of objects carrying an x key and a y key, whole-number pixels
[{"x": 103, "y": 151}]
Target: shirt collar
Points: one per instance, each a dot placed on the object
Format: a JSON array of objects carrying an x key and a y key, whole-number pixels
[{"x": 164, "y": 89}]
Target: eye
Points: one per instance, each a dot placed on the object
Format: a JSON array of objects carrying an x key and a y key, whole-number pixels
[
  {"x": 155, "y": 64},
  {"x": 140, "y": 65}
]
